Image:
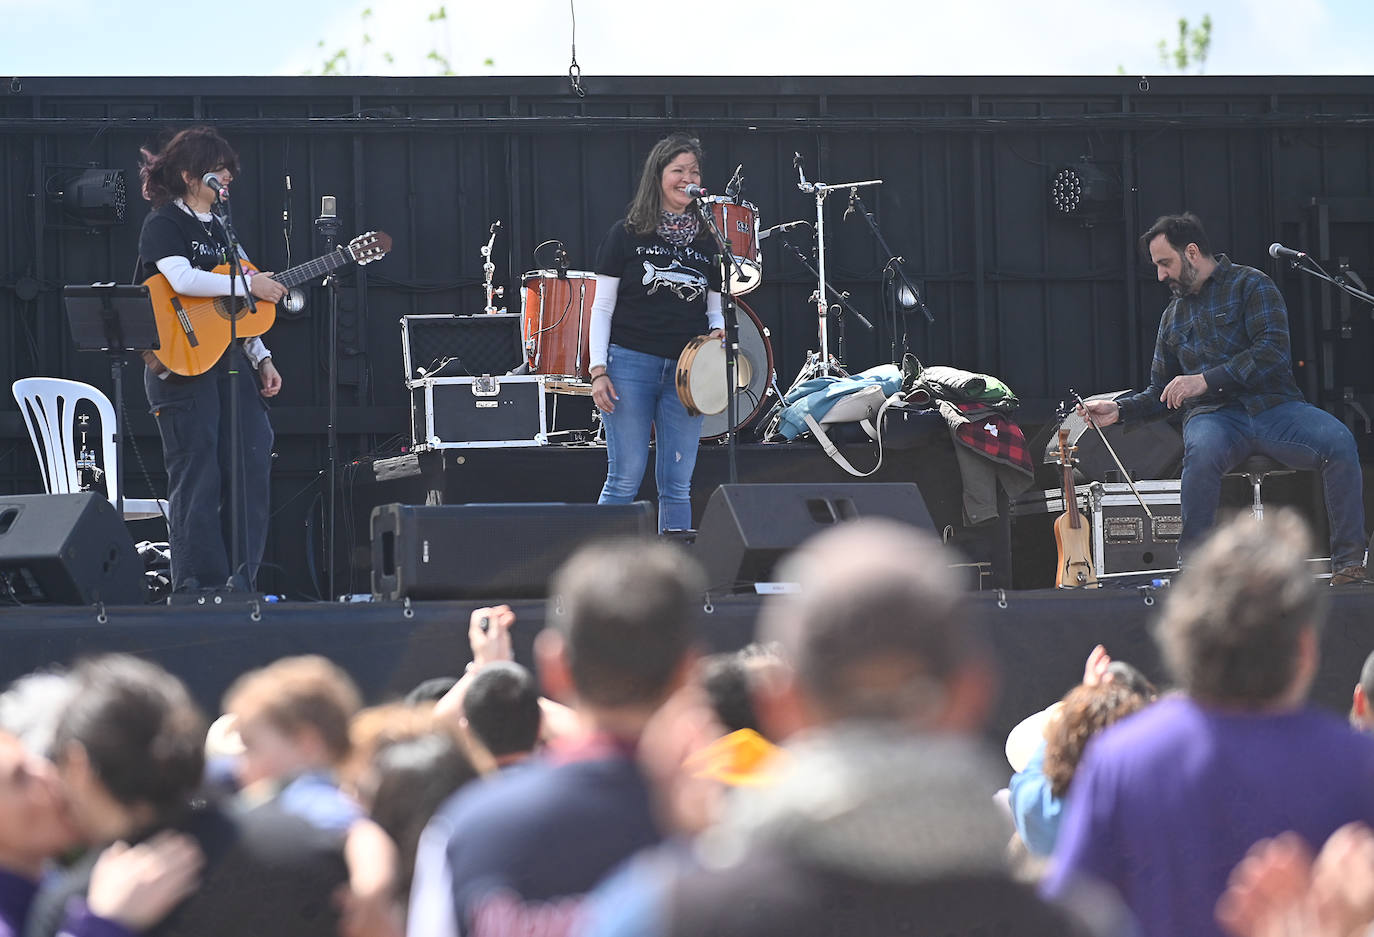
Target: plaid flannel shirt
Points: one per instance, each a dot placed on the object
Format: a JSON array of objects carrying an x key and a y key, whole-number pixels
[
  {"x": 989, "y": 434},
  {"x": 1234, "y": 332}
]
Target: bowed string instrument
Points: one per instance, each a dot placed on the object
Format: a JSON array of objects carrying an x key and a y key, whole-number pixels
[{"x": 1074, "y": 566}]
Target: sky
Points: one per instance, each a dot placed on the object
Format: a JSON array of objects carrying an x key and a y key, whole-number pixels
[{"x": 705, "y": 37}]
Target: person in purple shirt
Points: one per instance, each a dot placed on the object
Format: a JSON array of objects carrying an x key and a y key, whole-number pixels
[{"x": 1167, "y": 802}]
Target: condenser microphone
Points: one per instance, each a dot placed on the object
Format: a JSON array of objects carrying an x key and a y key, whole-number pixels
[
  {"x": 695, "y": 191},
  {"x": 328, "y": 206},
  {"x": 1277, "y": 250}
]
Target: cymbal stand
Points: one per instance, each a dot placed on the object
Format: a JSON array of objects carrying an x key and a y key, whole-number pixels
[{"x": 820, "y": 190}]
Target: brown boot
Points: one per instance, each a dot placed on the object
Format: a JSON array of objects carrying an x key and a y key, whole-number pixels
[{"x": 1347, "y": 576}]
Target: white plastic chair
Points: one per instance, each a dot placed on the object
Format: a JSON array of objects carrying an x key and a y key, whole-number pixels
[{"x": 49, "y": 408}]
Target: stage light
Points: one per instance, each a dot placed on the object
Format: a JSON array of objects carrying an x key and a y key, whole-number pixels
[
  {"x": 96, "y": 197},
  {"x": 1087, "y": 192}
]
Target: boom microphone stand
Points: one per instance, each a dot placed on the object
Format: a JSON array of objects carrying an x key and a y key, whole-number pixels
[{"x": 893, "y": 268}]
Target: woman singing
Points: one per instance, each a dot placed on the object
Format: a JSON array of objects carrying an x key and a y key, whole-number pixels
[
  {"x": 657, "y": 288},
  {"x": 184, "y": 240}
]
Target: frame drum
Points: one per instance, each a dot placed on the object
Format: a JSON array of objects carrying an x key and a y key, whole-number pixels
[{"x": 755, "y": 355}]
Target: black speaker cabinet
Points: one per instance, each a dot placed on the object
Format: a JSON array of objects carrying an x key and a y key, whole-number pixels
[
  {"x": 489, "y": 551},
  {"x": 746, "y": 529},
  {"x": 67, "y": 550}
]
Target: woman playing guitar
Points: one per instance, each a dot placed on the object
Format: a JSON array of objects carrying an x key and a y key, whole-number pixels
[{"x": 183, "y": 240}]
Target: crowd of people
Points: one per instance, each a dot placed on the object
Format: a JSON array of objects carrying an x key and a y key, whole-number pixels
[{"x": 831, "y": 779}]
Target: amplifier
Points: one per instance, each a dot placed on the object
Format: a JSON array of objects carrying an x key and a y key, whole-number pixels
[
  {"x": 455, "y": 346},
  {"x": 494, "y": 412}
]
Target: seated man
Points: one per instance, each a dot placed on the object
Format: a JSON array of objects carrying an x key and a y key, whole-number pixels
[{"x": 1222, "y": 356}]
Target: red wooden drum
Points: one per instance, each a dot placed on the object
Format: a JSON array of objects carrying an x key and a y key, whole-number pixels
[
  {"x": 739, "y": 224},
  {"x": 555, "y": 320}
]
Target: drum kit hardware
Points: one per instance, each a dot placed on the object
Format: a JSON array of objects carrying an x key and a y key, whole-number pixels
[{"x": 488, "y": 271}]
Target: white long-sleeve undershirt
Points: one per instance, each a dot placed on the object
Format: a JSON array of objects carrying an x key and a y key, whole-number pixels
[
  {"x": 603, "y": 310},
  {"x": 190, "y": 281}
]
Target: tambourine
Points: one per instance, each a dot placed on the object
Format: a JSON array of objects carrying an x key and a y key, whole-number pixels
[{"x": 701, "y": 375}]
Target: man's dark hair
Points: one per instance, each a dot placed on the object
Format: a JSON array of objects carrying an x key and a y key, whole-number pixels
[
  {"x": 429, "y": 691},
  {"x": 1231, "y": 624},
  {"x": 725, "y": 677},
  {"x": 502, "y": 708},
  {"x": 627, "y": 609},
  {"x": 143, "y": 734},
  {"x": 1179, "y": 231}
]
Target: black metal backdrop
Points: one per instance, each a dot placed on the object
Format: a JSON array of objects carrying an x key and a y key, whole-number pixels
[{"x": 1042, "y": 301}]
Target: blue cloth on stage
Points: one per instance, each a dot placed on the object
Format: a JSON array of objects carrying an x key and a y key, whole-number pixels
[{"x": 818, "y": 395}]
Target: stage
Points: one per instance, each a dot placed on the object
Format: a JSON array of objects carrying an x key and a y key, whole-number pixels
[{"x": 1040, "y": 639}]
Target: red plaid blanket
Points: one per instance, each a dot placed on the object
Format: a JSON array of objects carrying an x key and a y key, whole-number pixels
[{"x": 994, "y": 436}]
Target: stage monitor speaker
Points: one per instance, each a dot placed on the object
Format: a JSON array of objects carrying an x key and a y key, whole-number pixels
[
  {"x": 488, "y": 551},
  {"x": 67, "y": 550},
  {"x": 1149, "y": 450},
  {"x": 746, "y": 529}
]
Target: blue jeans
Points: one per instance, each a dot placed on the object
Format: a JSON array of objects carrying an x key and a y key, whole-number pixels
[
  {"x": 648, "y": 397},
  {"x": 1297, "y": 434}
]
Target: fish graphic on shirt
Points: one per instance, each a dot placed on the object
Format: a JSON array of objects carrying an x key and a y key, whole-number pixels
[{"x": 686, "y": 283}]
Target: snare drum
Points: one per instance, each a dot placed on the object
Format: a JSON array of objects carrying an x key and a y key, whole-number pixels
[
  {"x": 555, "y": 320},
  {"x": 739, "y": 223}
]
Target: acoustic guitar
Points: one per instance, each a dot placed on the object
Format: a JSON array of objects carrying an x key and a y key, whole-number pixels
[
  {"x": 1071, "y": 537},
  {"x": 194, "y": 330}
]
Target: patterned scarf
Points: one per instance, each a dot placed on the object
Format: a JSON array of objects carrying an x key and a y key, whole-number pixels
[{"x": 678, "y": 230}]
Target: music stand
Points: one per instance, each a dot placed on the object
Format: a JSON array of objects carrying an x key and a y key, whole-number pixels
[{"x": 113, "y": 318}]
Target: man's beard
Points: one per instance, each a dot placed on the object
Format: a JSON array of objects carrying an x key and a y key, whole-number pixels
[{"x": 1187, "y": 277}]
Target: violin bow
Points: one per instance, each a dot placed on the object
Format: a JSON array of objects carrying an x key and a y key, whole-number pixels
[{"x": 1124, "y": 474}]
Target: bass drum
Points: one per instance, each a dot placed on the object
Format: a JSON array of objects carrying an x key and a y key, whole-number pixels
[{"x": 754, "y": 346}]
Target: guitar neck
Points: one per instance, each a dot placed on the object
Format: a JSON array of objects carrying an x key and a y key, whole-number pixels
[{"x": 318, "y": 267}]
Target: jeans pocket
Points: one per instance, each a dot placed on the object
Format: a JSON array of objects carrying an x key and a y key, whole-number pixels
[{"x": 173, "y": 422}]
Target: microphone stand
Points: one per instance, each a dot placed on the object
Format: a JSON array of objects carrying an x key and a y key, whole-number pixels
[
  {"x": 1338, "y": 282},
  {"x": 236, "y": 494},
  {"x": 328, "y": 227},
  {"x": 893, "y": 260},
  {"x": 729, "y": 267}
]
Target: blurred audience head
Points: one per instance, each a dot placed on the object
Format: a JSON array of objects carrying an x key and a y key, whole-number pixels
[
  {"x": 429, "y": 691},
  {"x": 1361, "y": 715},
  {"x": 622, "y": 619},
  {"x": 880, "y": 630},
  {"x": 34, "y": 826},
  {"x": 31, "y": 706},
  {"x": 502, "y": 710},
  {"x": 292, "y": 716},
  {"x": 1086, "y": 711},
  {"x": 405, "y": 782},
  {"x": 1239, "y": 625},
  {"x": 129, "y": 747}
]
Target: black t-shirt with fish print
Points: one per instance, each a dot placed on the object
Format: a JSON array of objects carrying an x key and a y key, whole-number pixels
[{"x": 661, "y": 303}]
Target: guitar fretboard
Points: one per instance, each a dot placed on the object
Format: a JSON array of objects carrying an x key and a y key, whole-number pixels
[{"x": 318, "y": 267}]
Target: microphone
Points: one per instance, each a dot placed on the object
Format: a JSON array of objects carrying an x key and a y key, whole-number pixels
[
  {"x": 778, "y": 228},
  {"x": 695, "y": 191},
  {"x": 328, "y": 207},
  {"x": 1277, "y": 250},
  {"x": 327, "y": 225},
  {"x": 560, "y": 261},
  {"x": 211, "y": 181}
]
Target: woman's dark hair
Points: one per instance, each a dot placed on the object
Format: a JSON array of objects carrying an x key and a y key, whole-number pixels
[
  {"x": 411, "y": 778},
  {"x": 641, "y": 217},
  {"x": 195, "y": 150},
  {"x": 1087, "y": 710}
]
